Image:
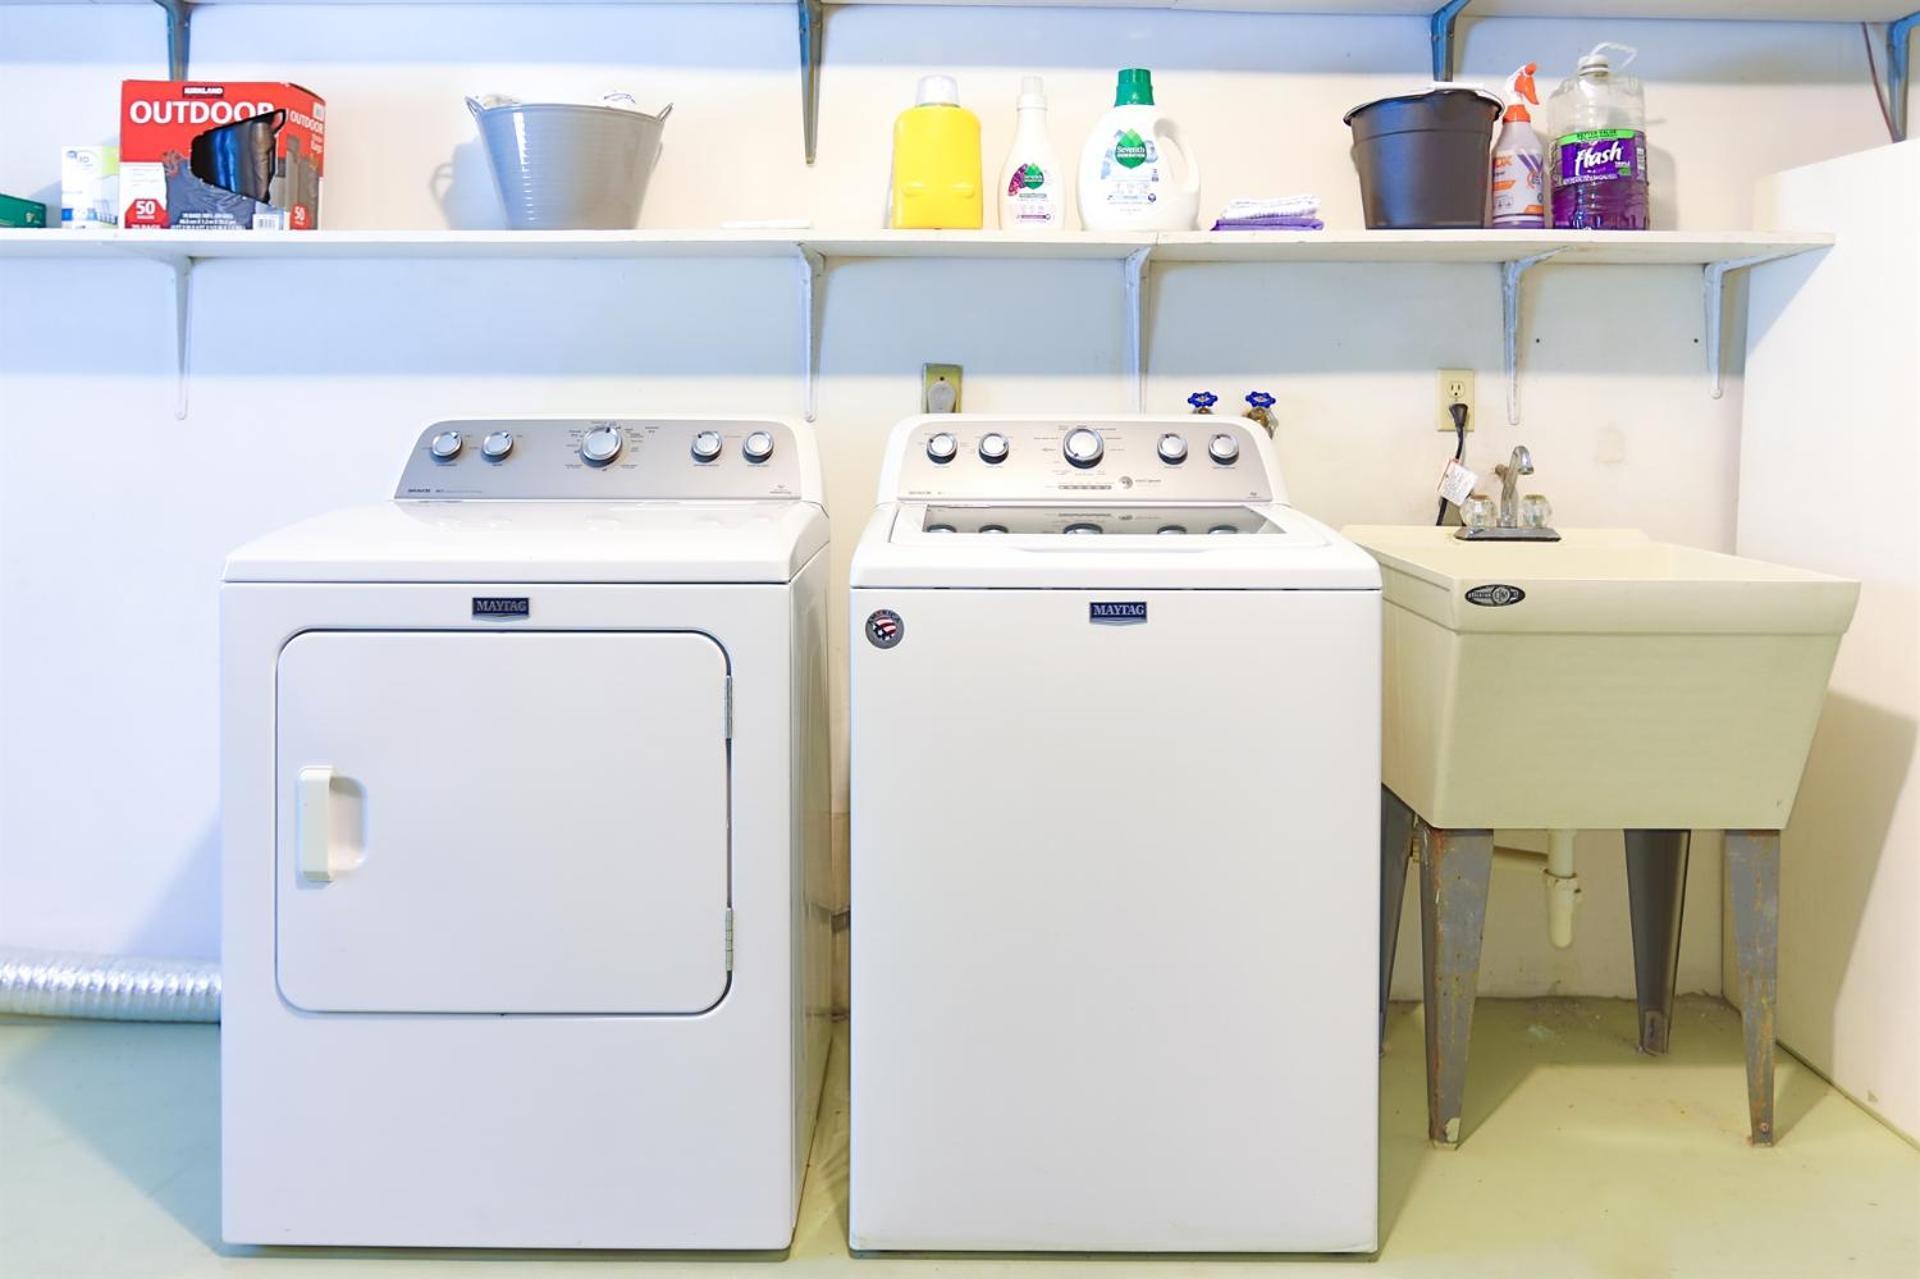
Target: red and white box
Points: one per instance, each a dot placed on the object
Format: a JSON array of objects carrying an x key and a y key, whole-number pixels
[{"x": 221, "y": 155}]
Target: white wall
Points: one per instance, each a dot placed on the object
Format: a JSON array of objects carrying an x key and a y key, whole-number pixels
[
  {"x": 309, "y": 380},
  {"x": 1828, "y": 471}
]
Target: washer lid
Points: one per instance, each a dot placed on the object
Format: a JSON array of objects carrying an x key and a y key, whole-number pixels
[
  {"x": 1030, "y": 522},
  {"x": 541, "y": 542},
  {"x": 1225, "y": 547}
]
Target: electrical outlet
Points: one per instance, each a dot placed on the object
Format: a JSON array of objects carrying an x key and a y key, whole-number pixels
[
  {"x": 939, "y": 388},
  {"x": 1455, "y": 386}
]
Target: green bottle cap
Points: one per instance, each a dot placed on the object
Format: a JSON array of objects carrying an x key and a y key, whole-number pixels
[{"x": 1135, "y": 89}]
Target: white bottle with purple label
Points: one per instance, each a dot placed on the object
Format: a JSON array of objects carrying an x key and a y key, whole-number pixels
[
  {"x": 1597, "y": 162},
  {"x": 1030, "y": 197}
]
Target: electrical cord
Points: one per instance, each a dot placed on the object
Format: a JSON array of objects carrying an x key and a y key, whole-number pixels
[{"x": 1459, "y": 413}]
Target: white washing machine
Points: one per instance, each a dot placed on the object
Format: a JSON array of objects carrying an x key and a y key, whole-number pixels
[
  {"x": 525, "y": 819},
  {"x": 1115, "y": 801}
]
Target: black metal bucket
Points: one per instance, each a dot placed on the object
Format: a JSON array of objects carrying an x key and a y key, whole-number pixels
[{"x": 1425, "y": 158}]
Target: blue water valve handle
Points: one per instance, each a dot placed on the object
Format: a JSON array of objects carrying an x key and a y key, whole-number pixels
[
  {"x": 1203, "y": 401},
  {"x": 1260, "y": 399}
]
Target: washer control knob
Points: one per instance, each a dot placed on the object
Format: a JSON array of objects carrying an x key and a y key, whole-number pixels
[
  {"x": 1083, "y": 446},
  {"x": 446, "y": 445},
  {"x": 497, "y": 445},
  {"x": 601, "y": 445},
  {"x": 1224, "y": 449},
  {"x": 1172, "y": 449},
  {"x": 707, "y": 446},
  {"x": 994, "y": 448},
  {"x": 758, "y": 447},
  {"x": 942, "y": 447}
]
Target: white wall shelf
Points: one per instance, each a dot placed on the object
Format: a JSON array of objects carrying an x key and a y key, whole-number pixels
[
  {"x": 1597, "y": 248},
  {"x": 1709, "y": 10},
  {"x": 1441, "y": 15},
  {"x": 1514, "y": 252}
]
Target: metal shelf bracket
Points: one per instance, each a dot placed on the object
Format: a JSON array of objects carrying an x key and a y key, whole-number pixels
[
  {"x": 1136, "y": 282},
  {"x": 1440, "y": 34},
  {"x": 1511, "y": 273},
  {"x": 182, "y": 330},
  {"x": 1897, "y": 33},
  {"x": 1714, "y": 279},
  {"x": 179, "y": 23},
  {"x": 813, "y": 306},
  {"x": 181, "y": 265},
  {"x": 812, "y": 25}
]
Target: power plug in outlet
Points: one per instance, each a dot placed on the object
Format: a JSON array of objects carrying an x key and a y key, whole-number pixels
[
  {"x": 939, "y": 388},
  {"x": 1455, "y": 386}
]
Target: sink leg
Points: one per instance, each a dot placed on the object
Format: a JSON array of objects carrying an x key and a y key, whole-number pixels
[
  {"x": 1455, "y": 867},
  {"x": 1753, "y": 887},
  {"x": 1396, "y": 844},
  {"x": 1656, "y": 894}
]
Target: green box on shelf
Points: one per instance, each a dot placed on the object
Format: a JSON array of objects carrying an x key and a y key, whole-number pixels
[{"x": 16, "y": 212}]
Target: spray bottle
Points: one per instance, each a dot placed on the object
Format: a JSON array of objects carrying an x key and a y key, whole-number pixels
[{"x": 1519, "y": 188}]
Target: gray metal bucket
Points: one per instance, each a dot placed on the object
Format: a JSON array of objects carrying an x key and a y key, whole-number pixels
[{"x": 570, "y": 168}]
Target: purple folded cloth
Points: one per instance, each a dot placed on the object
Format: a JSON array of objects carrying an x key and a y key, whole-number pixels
[{"x": 1271, "y": 222}]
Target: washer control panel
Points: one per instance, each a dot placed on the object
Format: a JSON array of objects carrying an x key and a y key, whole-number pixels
[
  {"x": 1159, "y": 460},
  {"x": 623, "y": 459}
]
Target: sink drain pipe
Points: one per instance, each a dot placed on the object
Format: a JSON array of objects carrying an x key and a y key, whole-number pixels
[
  {"x": 1563, "y": 888},
  {"x": 51, "y": 983}
]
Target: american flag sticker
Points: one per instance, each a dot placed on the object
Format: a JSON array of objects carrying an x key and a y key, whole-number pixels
[{"x": 884, "y": 628}]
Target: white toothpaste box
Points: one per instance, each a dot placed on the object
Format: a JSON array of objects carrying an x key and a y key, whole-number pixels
[{"x": 89, "y": 187}]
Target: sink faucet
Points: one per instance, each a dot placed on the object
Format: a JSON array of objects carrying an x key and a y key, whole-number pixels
[{"x": 1510, "y": 471}]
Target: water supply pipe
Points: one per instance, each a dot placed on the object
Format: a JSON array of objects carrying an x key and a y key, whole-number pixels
[{"x": 1563, "y": 888}]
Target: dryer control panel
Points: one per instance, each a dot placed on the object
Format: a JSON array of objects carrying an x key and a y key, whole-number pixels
[
  {"x": 618, "y": 459},
  {"x": 1160, "y": 460}
]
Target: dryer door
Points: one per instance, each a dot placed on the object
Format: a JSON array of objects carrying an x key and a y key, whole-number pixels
[{"x": 472, "y": 822}]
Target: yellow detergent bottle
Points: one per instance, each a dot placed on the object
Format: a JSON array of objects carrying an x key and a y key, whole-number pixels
[{"x": 936, "y": 162}]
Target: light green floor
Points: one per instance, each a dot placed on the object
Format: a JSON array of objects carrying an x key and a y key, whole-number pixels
[{"x": 1581, "y": 1159}]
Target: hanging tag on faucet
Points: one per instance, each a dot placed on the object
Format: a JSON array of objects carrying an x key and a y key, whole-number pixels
[{"x": 1457, "y": 482}]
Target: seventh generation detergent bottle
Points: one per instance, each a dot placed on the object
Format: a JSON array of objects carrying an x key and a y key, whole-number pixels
[{"x": 1126, "y": 180}]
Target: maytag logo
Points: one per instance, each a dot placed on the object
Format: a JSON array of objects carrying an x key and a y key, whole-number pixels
[
  {"x": 1495, "y": 595},
  {"x": 501, "y": 606},
  {"x": 1117, "y": 613}
]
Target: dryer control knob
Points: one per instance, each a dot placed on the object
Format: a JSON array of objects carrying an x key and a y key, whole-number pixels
[
  {"x": 1224, "y": 449},
  {"x": 602, "y": 444},
  {"x": 497, "y": 445},
  {"x": 1083, "y": 446},
  {"x": 994, "y": 448},
  {"x": 942, "y": 447},
  {"x": 758, "y": 447},
  {"x": 446, "y": 445},
  {"x": 707, "y": 446},
  {"x": 1172, "y": 449}
]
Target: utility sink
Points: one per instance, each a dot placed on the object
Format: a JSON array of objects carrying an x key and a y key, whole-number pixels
[{"x": 1602, "y": 681}]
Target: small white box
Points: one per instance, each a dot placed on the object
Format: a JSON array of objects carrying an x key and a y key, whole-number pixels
[{"x": 89, "y": 187}]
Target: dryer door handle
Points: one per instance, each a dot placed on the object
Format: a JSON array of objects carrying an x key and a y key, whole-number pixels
[{"x": 318, "y": 853}]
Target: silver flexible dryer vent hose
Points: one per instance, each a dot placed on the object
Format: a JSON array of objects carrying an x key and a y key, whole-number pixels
[{"x": 52, "y": 983}]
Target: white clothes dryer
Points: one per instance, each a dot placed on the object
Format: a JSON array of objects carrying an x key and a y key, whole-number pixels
[
  {"x": 525, "y": 824},
  {"x": 1115, "y": 801}
]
